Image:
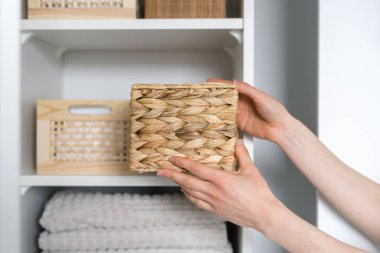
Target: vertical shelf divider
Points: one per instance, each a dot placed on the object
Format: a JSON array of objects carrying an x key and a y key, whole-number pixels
[{"x": 247, "y": 235}]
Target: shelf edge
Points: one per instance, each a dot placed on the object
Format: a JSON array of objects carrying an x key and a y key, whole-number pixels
[
  {"x": 136, "y": 24},
  {"x": 84, "y": 181}
]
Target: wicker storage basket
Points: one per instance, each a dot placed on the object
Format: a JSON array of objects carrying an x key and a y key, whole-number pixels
[
  {"x": 82, "y": 9},
  {"x": 189, "y": 120},
  {"x": 185, "y": 9},
  {"x": 82, "y": 137}
]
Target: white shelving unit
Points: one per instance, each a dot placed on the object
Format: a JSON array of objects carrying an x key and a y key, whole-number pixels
[
  {"x": 140, "y": 34},
  {"x": 99, "y": 60}
]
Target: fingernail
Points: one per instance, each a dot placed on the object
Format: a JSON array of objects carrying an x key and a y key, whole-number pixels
[
  {"x": 160, "y": 173},
  {"x": 240, "y": 142},
  {"x": 172, "y": 159}
]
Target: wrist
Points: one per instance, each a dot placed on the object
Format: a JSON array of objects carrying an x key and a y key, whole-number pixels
[
  {"x": 267, "y": 222},
  {"x": 277, "y": 223},
  {"x": 288, "y": 131}
]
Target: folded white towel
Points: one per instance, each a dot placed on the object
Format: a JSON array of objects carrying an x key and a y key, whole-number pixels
[
  {"x": 195, "y": 237},
  {"x": 178, "y": 250},
  {"x": 68, "y": 211}
]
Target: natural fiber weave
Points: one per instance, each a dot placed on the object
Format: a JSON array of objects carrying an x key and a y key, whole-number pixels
[{"x": 190, "y": 120}]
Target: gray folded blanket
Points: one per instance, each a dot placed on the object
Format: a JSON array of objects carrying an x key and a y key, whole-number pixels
[
  {"x": 85, "y": 222},
  {"x": 178, "y": 250},
  {"x": 68, "y": 211},
  {"x": 192, "y": 237}
]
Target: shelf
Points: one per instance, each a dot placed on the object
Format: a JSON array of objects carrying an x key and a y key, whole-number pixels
[
  {"x": 139, "y": 34},
  {"x": 134, "y": 24},
  {"x": 127, "y": 180}
]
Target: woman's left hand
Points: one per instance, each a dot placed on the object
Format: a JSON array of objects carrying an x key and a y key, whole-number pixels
[{"x": 243, "y": 198}]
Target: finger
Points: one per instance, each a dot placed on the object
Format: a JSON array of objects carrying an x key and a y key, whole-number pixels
[
  {"x": 218, "y": 80},
  {"x": 256, "y": 95},
  {"x": 194, "y": 167},
  {"x": 198, "y": 202},
  {"x": 245, "y": 162},
  {"x": 183, "y": 179},
  {"x": 244, "y": 105},
  {"x": 196, "y": 194}
]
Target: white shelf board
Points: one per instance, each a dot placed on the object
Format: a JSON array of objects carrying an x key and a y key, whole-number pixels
[
  {"x": 123, "y": 180},
  {"x": 139, "y": 34},
  {"x": 134, "y": 24}
]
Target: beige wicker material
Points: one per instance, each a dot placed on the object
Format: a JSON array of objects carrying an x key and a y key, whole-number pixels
[
  {"x": 190, "y": 120},
  {"x": 185, "y": 8},
  {"x": 82, "y": 9}
]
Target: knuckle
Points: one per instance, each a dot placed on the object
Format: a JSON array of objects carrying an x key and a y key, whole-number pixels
[
  {"x": 210, "y": 189},
  {"x": 187, "y": 182},
  {"x": 220, "y": 181},
  {"x": 215, "y": 176},
  {"x": 207, "y": 208},
  {"x": 180, "y": 161},
  {"x": 217, "y": 196},
  {"x": 200, "y": 204},
  {"x": 195, "y": 166},
  {"x": 174, "y": 176},
  {"x": 171, "y": 175},
  {"x": 190, "y": 192},
  {"x": 224, "y": 185},
  {"x": 197, "y": 203}
]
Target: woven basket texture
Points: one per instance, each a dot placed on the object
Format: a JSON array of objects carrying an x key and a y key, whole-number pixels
[
  {"x": 197, "y": 121},
  {"x": 185, "y": 8}
]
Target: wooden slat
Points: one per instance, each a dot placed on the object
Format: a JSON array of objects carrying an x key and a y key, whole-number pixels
[
  {"x": 43, "y": 141},
  {"x": 59, "y": 109},
  {"x": 82, "y": 13},
  {"x": 34, "y": 3},
  {"x": 83, "y": 168}
]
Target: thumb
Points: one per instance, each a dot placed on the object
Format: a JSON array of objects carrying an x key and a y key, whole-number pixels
[
  {"x": 245, "y": 162},
  {"x": 256, "y": 95},
  {"x": 218, "y": 80}
]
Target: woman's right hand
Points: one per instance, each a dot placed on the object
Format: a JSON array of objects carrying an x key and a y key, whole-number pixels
[{"x": 259, "y": 114}]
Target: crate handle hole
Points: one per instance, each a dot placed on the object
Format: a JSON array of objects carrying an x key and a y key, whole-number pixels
[{"x": 91, "y": 110}]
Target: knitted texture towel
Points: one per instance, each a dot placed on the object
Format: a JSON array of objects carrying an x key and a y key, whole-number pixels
[
  {"x": 178, "y": 250},
  {"x": 194, "y": 237},
  {"x": 85, "y": 222},
  {"x": 68, "y": 211}
]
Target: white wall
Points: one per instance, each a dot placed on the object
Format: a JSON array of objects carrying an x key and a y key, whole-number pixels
[
  {"x": 285, "y": 67},
  {"x": 97, "y": 74},
  {"x": 349, "y": 89}
]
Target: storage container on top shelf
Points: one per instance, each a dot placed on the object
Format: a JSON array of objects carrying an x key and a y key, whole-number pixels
[
  {"x": 185, "y": 9},
  {"x": 90, "y": 9}
]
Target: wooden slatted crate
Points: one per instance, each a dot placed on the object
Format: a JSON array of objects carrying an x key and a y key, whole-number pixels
[
  {"x": 82, "y": 9},
  {"x": 82, "y": 137}
]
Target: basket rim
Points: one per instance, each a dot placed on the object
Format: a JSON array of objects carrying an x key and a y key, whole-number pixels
[{"x": 216, "y": 85}]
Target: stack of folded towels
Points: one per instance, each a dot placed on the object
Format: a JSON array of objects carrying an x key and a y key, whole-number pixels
[{"x": 116, "y": 223}]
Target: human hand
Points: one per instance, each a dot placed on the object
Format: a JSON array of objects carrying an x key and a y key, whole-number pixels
[
  {"x": 259, "y": 114},
  {"x": 243, "y": 198}
]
